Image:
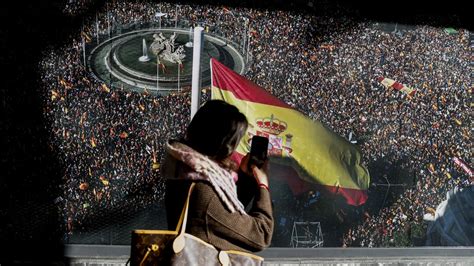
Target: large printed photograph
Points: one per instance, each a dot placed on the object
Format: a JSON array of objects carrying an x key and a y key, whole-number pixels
[{"x": 370, "y": 122}]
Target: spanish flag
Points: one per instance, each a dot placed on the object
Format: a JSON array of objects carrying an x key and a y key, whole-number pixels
[
  {"x": 390, "y": 83},
  {"x": 105, "y": 88},
  {"x": 316, "y": 154},
  {"x": 54, "y": 95},
  {"x": 93, "y": 142},
  {"x": 86, "y": 36}
]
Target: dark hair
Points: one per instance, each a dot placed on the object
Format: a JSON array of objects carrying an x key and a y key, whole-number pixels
[{"x": 216, "y": 129}]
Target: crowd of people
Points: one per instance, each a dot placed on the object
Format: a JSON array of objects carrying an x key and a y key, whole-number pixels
[
  {"x": 335, "y": 81},
  {"x": 76, "y": 7},
  {"x": 111, "y": 139}
]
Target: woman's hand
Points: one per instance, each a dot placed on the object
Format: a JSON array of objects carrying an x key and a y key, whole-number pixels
[
  {"x": 260, "y": 174},
  {"x": 244, "y": 165}
]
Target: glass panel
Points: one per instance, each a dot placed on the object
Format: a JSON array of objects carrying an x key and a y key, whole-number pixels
[{"x": 399, "y": 93}]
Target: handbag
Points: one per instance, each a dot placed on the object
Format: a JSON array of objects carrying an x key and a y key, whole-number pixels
[{"x": 165, "y": 247}]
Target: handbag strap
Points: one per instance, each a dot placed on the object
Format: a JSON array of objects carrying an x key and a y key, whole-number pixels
[
  {"x": 181, "y": 226},
  {"x": 179, "y": 241}
]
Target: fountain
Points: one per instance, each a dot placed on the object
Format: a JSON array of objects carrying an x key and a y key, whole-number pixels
[
  {"x": 144, "y": 57},
  {"x": 165, "y": 46}
]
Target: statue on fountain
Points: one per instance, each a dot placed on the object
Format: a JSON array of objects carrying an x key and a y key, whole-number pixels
[{"x": 165, "y": 48}]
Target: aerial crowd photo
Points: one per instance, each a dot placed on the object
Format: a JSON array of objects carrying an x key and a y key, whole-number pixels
[{"x": 369, "y": 123}]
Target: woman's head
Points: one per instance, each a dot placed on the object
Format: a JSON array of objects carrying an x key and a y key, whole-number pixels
[{"x": 216, "y": 129}]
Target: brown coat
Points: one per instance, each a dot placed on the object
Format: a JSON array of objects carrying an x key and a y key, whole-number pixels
[{"x": 210, "y": 220}]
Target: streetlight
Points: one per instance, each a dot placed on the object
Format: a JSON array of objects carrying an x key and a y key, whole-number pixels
[
  {"x": 248, "y": 47},
  {"x": 244, "y": 37},
  {"x": 157, "y": 72},
  {"x": 158, "y": 15},
  {"x": 179, "y": 74},
  {"x": 97, "y": 26},
  {"x": 245, "y": 41},
  {"x": 84, "y": 50},
  {"x": 388, "y": 185},
  {"x": 189, "y": 44},
  {"x": 108, "y": 20},
  {"x": 176, "y": 17}
]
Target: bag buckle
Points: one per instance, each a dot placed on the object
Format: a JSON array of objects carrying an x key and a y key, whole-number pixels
[{"x": 151, "y": 248}]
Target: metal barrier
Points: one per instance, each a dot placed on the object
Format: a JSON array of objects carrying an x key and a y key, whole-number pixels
[
  {"x": 306, "y": 235},
  {"x": 459, "y": 256}
]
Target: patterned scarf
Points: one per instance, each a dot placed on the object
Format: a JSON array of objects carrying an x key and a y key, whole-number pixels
[{"x": 207, "y": 170}]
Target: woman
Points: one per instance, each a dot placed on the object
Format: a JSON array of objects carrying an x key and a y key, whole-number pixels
[{"x": 217, "y": 212}]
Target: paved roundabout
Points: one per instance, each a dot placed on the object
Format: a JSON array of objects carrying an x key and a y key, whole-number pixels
[{"x": 130, "y": 60}]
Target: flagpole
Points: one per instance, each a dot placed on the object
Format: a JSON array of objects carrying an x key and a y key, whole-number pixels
[
  {"x": 157, "y": 72},
  {"x": 176, "y": 18},
  {"x": 244, "y": 37},
  {"x": 179, "y": 70},
  {"x": 108, "y": 20},
  {"x": 84, "y": 50},
  {"x": 196, "y": 76},
  {"x": 97, "y": 26},
  {"x": 248, "y": 48}
]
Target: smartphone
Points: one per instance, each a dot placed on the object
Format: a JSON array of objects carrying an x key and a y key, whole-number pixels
[{"x": 258, "y": 152}]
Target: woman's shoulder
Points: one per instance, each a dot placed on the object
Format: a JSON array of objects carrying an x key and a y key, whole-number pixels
[
  {"x": 204, "y": 187},
  {"x": 201, "y": 196},
  {"x": 184, "y": 184}
]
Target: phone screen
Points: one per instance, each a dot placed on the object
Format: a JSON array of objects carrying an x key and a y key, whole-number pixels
[{"x": 258, "y": 151}]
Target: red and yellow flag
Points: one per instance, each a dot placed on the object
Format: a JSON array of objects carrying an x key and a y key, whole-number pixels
[
  {"x": 317, "y": 155},
  {"x": 105, "y": 88},
  {"x": 390, "y": 83},
  {"x": 86, "y": 36}
]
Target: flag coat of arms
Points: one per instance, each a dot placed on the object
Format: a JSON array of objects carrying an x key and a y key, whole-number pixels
[{"x": 315, "y": 153}]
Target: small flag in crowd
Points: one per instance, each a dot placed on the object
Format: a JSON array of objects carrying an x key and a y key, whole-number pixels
[
  {"x": 330, "y": 47},
  {"x": 54, "y": 95},
  {"x": 123, "y": 135},
  {"x": 104, "y": 180},
  {"x": 86, "y": 36},
  {"x": 93, "y": 142},
  {"x": 458, "y": 121},
  {"x": 390, "y": 83},
  {"x": 64, "y": 83},
  {"x": 448, "y": 175},
  {"x": 464, "y": 166},
  {"x": 105, "y": 88},
  {"x": 84, "y": 186},
  {"x": 431, "y": 168},
  {"x": 450, "y": 31}
]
